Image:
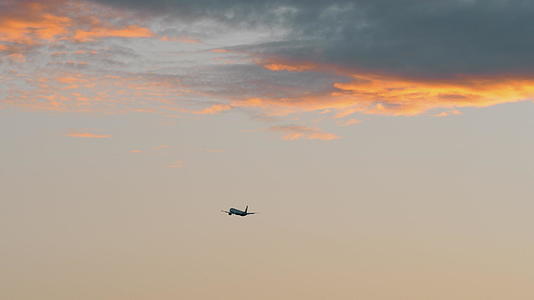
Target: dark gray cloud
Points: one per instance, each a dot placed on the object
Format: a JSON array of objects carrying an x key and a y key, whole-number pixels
[{"x": 405, "y": 37}]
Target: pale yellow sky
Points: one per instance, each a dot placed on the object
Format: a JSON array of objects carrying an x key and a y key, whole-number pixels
[{"x": 397, "y": 209}]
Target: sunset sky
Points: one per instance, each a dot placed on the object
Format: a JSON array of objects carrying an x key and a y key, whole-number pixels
[{"x": 388, "y": 146}]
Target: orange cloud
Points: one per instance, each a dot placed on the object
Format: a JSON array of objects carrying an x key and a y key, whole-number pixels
[
  {"x": 214, "y": 109},
  {"x": 379, "y": 94},
  {"x": 86, "y": 92},
  {"x": 34, "y": 23},
  {"x": 294, "y": 132},
  {"x": 291, "y": 68},
  {"x": 31, "y": 22},
  {"x": 132, "y": 31},
  {"x": 17, "y": 57},
  {"x": 88, "y": 135},
  {"x": 448, "y": 113},
  {"x": 219, "y": 50},
  {"x": 76, "y": 78},
  {"x": 373, "y": 93}
]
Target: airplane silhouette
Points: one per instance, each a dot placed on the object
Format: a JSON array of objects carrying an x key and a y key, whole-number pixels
[{"x": 234, "y": 211}]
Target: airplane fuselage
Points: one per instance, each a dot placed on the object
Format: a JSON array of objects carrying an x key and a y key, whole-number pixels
[
  {"x": 238, "y": 212},
  {"x": 234, "y": 211}
]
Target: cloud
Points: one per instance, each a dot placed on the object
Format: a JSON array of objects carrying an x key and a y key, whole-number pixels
[
  {"x": 268, "y": 59},
  {"x": 94, "y": 92},
  {"x": 214, "y": 109},
  {"x": 24, "y": 22},
  {"x": 403, "y": 58},
  {"x": 376, "y": 94},
  {"x": 219, "y": 50},
  {"x": 291, "y": 68},
  {"x": 448, "y": 113},
  {"x": 432, "y": 39},
  {"x": 131, "y": 31},
  {"x": 17, "y": 57},
  {"x": 369, "y": 93},
  {"x": 29, "y": 24},
  {"x": 295, "y": 132},
  {"x": 84, "y": 134}
]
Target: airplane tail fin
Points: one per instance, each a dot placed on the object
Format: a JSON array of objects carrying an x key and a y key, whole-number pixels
[{"x": 246, "y": 209}]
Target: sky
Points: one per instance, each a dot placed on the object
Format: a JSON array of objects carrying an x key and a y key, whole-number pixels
[{"x": 386, "y": 146}]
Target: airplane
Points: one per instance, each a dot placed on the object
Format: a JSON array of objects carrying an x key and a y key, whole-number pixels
[{"x": 238, "y": 212}]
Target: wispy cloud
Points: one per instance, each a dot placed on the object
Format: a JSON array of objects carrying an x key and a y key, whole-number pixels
[
  {"x": 131, "y": 31},
  {"x": 448, "y": 113},
  {"x": 220, "y": 50},
  {"x": 214, "y": 109},
  {"x": 94, "y": 92},
  {"x": 30, "y": 22},
  {"x": 295, "y": 132},
  {"x": 85, "y": 134},
  {"x": 33, "y": 23}
]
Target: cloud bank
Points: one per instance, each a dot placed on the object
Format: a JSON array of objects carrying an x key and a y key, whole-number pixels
[{"x": 270, "y": 58}]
